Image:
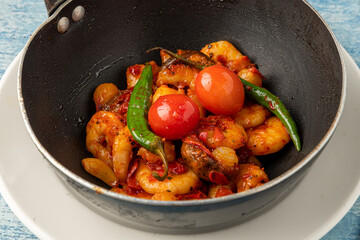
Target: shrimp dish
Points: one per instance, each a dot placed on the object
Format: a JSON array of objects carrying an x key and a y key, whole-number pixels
[{"x": 189, "y": 128}]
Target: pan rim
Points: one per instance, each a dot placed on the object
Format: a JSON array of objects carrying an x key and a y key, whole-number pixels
[{"x": 97, "y": 189}]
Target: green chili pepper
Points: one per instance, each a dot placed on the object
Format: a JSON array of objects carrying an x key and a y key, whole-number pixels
[
  {"x": 137, "y": 116},
  {"x": 273, "y": 103},
  {"x": 259, "y": 94}
]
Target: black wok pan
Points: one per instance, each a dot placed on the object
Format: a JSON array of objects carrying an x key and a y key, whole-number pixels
[{"x": 292, "y": 46}]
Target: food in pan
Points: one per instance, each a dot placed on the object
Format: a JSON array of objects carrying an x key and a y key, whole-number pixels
[{"x": 189, "y": 129}]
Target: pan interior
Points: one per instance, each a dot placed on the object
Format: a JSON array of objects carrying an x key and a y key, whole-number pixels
[{"x": 291, "y": 46}]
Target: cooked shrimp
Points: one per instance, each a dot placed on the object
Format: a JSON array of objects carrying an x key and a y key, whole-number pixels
[
  {"x": 104, "y": 93},
  {"x": 255, "y": 161},
  {"x": 267, "y": 138},
  {"x": 164, "y": 196},
  {"x": 226, "y": 156},
  {"x": 100, "y": 133},
  {"x": 251, "y": 75},
  {"x": 239, "y": 64},
  {"x": 250, "y": 176},
  {"x": 133, "y": 73},
  {"x": 221, "y": 49},
  {"x": 192, "y": 95},
  {"x": 101, "y": 170},
  {"x": 216, "y": 190},
  {"x": 251, "y": 115},
  {"x": 122, "y": 153},
  {"x": 220, "y": 131},
  {"x": 169, "y": 149},
  {"x": 165, "y": 90},
  {"x": 178, "y": 75},
  {"x": 225, "y": 53},
  {"x": 175, "y": 184},
  {"x": 197, "y": 157},
  {"x": 118, "y": 104}
]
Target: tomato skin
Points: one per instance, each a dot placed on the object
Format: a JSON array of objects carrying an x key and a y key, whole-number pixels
[
  {"x": 173, "y": 116},
  {"x": 219, "y": 90}
]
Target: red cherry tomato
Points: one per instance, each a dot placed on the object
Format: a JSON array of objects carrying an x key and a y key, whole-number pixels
[
  {"x": 219, "y": 90},
  {"x": 172, "y": 116}
]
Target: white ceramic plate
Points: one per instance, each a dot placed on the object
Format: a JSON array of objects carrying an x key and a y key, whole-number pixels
[{"x": 45, "y": 206}]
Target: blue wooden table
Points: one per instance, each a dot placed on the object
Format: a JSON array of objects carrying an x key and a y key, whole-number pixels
[{"x": 19, "y": 18}]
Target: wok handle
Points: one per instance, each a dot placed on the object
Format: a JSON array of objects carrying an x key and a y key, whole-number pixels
[{"x": 52, "y": 5}]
